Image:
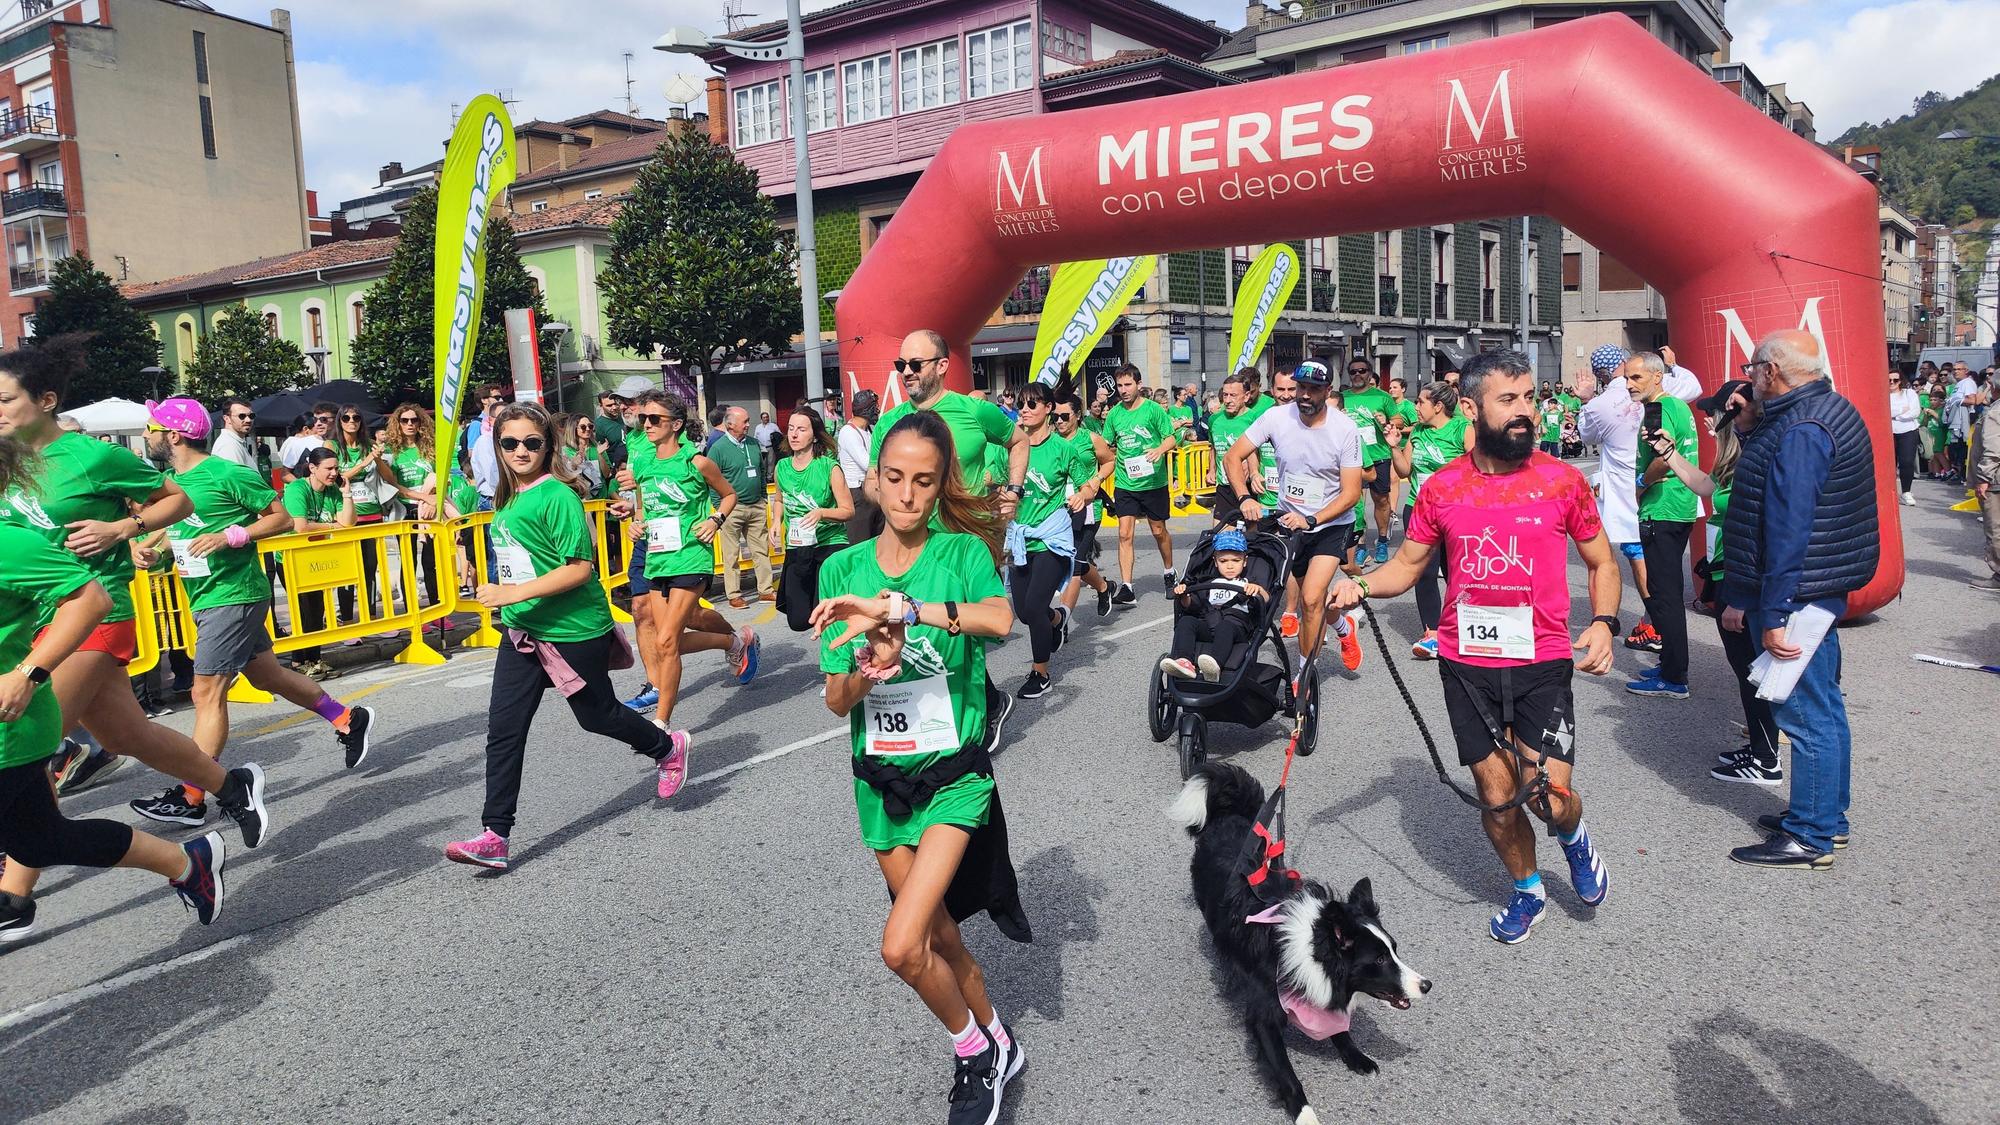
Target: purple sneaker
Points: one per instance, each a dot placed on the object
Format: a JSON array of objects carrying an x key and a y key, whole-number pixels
[
  {"x": 488, "y": 850},
  {"x": 674, "y": 763}
]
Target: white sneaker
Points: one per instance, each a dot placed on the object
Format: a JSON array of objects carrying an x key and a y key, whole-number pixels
[
  {"x": 1210, "y": 670},
  {"x": 1909, "y": 499}
]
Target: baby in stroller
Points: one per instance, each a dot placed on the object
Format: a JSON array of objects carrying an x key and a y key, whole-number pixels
[{"x": 1211, "y": 624}]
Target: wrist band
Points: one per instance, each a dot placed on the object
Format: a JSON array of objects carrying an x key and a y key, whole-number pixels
[
  {"x": 1363, "y": 583},
  {"x": 878, "y": 673},
  {"x": 235, "y": 535}
]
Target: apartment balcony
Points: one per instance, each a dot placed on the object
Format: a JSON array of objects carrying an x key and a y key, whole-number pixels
[
  {"x": 26, "y": 129},
  {"x": 28, "y": 278},
  {"x": 37, "y": 201}
]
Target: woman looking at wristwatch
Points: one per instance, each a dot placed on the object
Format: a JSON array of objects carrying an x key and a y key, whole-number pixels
[
  {"x": 677, "y": 527},
  {"x": 903, "y": 634}
]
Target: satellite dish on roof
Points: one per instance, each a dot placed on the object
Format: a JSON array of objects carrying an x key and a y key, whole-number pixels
[
  {"x": 680, "y": 89},
  {"x": 1295, "y": 10}
]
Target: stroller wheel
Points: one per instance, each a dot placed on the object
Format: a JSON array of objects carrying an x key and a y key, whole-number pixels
[
  {"x": 1193, "y": 744},
  {"x": 1308, "y": 707},
  {"x": 1160, "y": 710}
]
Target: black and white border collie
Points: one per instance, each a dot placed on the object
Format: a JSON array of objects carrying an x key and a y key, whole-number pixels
[{"x": 1311, "y": 953}]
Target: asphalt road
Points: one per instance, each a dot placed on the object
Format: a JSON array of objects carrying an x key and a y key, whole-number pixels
[{"x": 713, "y": 959}]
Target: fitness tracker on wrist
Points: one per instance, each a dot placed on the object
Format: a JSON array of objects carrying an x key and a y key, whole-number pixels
[
  {"x": 1609, "y": 620},
  {"x": 1019, "y": 490},
  {"x": 951, "y": 623}
]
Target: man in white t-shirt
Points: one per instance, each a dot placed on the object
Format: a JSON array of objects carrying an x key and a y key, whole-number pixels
[
  {"x": 234, "y": 441},
  {"x": 852, "y": 444},
  {"x": 1319, "y": 481},
  {"x": 305, "y": 438}
]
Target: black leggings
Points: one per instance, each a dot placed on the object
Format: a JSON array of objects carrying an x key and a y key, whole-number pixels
[
  {"x": 1666, "y": 546},
  {"x": 1035, "y": 588},
  {"x": 312, "y": 619},
  {"x": 1430, "y": 598},
  {"x": 1757, "y": 715},
  {"x": 1906, "y": 458},
  {"x": 35, "y": 833},
  {"x": 518, "y": 683},
  {"x": 1215, "y": 632},
  {"x": 368, "y": 565},
  {"x": 798, "y": 583}
]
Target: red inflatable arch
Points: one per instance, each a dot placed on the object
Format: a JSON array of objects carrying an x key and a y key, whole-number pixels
[{"x": 1743, "y": 226}]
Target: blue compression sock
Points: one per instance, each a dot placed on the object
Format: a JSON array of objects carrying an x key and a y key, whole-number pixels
[{"x": 1532, "y": 885}]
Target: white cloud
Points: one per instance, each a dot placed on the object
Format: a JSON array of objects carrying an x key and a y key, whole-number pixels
[{"x": 1865, "y": 63}]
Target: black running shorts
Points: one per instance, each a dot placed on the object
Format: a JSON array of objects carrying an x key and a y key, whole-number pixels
[
  {"x": 1148, "y": 502},
  {"x": 1535, "y": 700},
  {"x": 1328, "y": 542},
  {"x": 1385, "y": 472}
]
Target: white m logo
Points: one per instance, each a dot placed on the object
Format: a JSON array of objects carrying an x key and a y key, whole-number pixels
[
  {"x": 1461, "y": 106},
  {"x": 1738, "y": 338},
  {"x": 1005, "y": 183}
]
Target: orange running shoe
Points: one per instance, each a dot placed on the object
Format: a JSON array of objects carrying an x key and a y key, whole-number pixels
[
  {"x": 1350, "y": 647},
  {"x": 1288, "y": 625}
]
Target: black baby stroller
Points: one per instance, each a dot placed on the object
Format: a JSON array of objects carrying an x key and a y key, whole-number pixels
[{"x": 1250, "y": 690}]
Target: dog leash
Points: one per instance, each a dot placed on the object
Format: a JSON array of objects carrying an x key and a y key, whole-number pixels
[
  {"x": 1536, "y": 789},
  {"x": 1263, "y": 855}
]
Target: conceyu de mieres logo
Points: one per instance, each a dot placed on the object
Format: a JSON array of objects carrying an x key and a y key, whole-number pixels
[
  {"x": 1481, "y": 125},
  {"x": 1020, "y": 197}
]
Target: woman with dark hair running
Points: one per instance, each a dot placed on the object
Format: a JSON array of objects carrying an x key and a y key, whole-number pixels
[
  {"x": 1440, "y": 437},
  {"x": 411, "y": 461},
  {"x": 678, "y": 529},
  {"x": 43, "y": 581},
  {"x": 558, "y": 623},
  {"x": 78, "y": 494},
  {"x": 903, "y": 634},
  {"x": 1041, "y": 542},
  {"x": 814, "y": 495}
]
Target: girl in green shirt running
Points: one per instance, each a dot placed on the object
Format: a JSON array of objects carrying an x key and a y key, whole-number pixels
[
  {"x": 559, "y": 631},
  {"x": 1043, "y": 536},
  {"x": 812, "y": 491},
  {"x": 675, "y": 523},
  {"x": 903, "y": 634},
  {"x": 1440, "y": 438}
]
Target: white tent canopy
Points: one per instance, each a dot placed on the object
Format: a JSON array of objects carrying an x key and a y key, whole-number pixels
[{"x": 111, "y": 417}]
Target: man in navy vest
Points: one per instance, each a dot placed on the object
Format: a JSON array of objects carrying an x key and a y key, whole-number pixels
[{"x": 1802, "y": 532}]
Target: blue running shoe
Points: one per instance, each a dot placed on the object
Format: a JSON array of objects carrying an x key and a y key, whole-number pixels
[
  {"x": 748, "y": 646},
  {"x": 1586, "y": 870},
  {"x": 645, "y": 700},
  {"x": 1381, "y": 551},
  {"x": 1522, "y": 911},
  {"x": 1652, "y": 685}
]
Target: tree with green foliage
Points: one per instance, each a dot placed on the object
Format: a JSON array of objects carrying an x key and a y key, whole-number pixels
[
  {"x": 83, "y": 298},
  {"x": 240, "y": 358},
  {"x": 392, "y": 354},
  {"x": 699, "y": 268},
  {"x": 1930, "y": 178}
]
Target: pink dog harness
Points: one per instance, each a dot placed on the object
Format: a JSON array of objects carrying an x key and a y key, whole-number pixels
[{"x": 1312, "y": 1020}]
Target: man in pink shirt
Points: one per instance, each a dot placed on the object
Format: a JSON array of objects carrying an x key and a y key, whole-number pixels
[{"x": 1504, "y": 516}]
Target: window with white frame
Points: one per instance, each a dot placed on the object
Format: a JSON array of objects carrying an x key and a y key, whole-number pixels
[
  {"x": 1059, "y": 42},
  {"x": 1427, "y": 43},
  {"x": 928, "y": 75},
  {"x": 999, "y": 60},
  {"x": 870, "y": 89},
  {"x": 759, "y": 116},
  {"x": 593, "y": 193},
  {"x": 539, "y": 205},
  {"x": 822, "y": 100}
]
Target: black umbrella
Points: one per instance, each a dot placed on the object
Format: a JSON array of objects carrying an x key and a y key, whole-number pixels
[
  {"x": 346, "y": 392},
  {"x": 276, "y": 412}
]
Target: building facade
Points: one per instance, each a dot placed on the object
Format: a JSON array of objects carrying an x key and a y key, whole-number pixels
[
  {"x": 314, "y": 298},
  {"x": 122, "y": 119}
]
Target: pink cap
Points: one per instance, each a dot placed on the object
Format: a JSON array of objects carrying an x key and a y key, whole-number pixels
[{"x": 183, "y": 416}]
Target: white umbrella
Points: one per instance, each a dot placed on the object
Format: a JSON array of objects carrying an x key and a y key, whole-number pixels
[{"x": 113, "y": 416}]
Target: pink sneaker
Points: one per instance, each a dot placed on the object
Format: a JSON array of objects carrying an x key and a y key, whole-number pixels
[
  {"x": 488, "y": 849},
  {"x": 1172, "y": 666},
  {"x": 674, "y": 765}
]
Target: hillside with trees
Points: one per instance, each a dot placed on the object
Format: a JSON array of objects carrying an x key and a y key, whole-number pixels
[{"x": 1954, "y": 182}]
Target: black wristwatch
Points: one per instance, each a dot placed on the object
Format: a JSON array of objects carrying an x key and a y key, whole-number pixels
[
  {"x": 1609, "y": 620},
  {"x": 1019, "y": 490},
  {"x": 36, "y": 675}
]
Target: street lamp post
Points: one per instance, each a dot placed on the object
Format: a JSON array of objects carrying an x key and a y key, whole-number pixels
[
  {"x": 688, "y": 41},
  {"x": 560, "y": 331}
]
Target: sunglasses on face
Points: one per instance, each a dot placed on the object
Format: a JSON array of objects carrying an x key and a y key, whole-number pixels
[
  {"x": 350, "y": 417},
  {"x": 531, "y": 444},
  {"x": 407, "y": 421},
  {"x": 907, "y": 365},
  {"x": 1065, "y": 416},
  {"x": 243, "y": 417},
  {"x": 653, "y": 419}
]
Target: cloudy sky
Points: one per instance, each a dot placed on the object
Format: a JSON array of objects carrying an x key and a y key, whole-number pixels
[{"x": 378, "y": 78}]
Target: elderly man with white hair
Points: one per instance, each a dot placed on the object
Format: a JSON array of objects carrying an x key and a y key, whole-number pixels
[{"x": 1802, "y": 534}]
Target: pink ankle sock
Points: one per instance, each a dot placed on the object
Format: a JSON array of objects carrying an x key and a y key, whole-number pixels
[
  {"x": 969, "y": 1042},
  {"x": 997, "y": 1032}
]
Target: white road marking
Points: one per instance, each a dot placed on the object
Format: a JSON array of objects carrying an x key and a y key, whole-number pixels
[
  {"x": 112, "y": 984},
  {"x": 769, "y": 755},
  {"x": 1131, "y": 629}
]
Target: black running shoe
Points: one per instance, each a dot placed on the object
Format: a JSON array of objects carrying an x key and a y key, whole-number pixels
[
  {"x": 201, "y": 890},
  {"x": 87, "y": 768},
  {"x": 171, "y": 807},
  {"x": 17, "y": 918},
  {"x": 1036, "y": 687},
  {"x": 1062, "y": 629},
  {"x": 1017, "y": 1056},
  {"x": 249, "y": 815},
  {"x": 1747, "y": 770},
  {"x": 1168, "y": 579},
  {"x": 975, "y": 1089},
  {"x": 998, "y": 706},
  {"x": 1104, "y": 601},
  {"x": 1773, "y": 822},
  {"x": 354, "y": 739},
  {"x": 1125, "y": 595}
]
